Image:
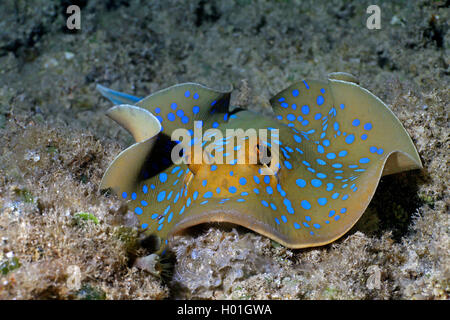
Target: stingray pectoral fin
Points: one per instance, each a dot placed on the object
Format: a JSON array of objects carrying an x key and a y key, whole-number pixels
[
  {"x": 123, "y": 173},
  {"x": 117, "y": 97},
  {"x": 379, "y": 126},
  {"x": 180, "y": 105},
  {"x": 138, "y": 121}
]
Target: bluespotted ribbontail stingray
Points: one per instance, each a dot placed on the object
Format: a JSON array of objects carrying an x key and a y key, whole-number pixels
[{"x": 335, "y": 141}]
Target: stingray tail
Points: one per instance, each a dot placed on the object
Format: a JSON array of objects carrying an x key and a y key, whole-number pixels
[{"x": 117, "y": 97}]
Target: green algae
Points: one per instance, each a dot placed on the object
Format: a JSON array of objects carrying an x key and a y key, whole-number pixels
[
  {"x": 81, "y": 217},
  {"x": 8, "y": 265},
  {"x": 88, "y": 292}
]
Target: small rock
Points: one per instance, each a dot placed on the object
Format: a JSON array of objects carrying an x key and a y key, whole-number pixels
[
  {"x": 74, "y": 277},
  {"x": 69, "y": 55}
]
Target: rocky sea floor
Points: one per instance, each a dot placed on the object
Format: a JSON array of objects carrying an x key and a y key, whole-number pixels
[{"x": 60, "y": 238}]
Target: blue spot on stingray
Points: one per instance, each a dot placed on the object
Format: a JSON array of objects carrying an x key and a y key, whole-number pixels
[
  {"x": 332, "y": 212},
  {"x": 290, "y": 117},
  {"x": 277, "y": 221},
  {"x": 138, "y": 211},
  {"x": 196, "y": 109},
  {"x": 305, "y": 109},
  {"x": 218, "y": 190},
  {"x": 326, "y": 143},
  {"x": 296, "y": 225},
  {"x": 256, "y": 179},
  {"x": 185, "y": 119},
  {"x": 169, "y": 218},
  {"x": 364, "y": 137},
  {"x": 322, "y": 90},
  {"x": 305, "y": 204},
  {"x": 187, "y": 94},
  {"x": 232, "y": 189},
  {"x": 204, "y": 182},
  {"x": 231, "y": 173},
  {"x": 269, "y": 190},
  {"x": 204, "y": 202},
  {"x": 301, "y": 183},
  {"x": 368, "y": 126},
  {"x": 264, "y": 203},
  {"x": 331, "y": 155},
  {"x": 256, "y": 190},
  {"x": 316, "y": 225},
  {"x": 171, "y": 116},
  {"x": 288, "y": 164},
  {"x": 188, "y": 202},
  {"x": 173, "y": 106},
  {"x": 317, "y": 116},
  {"x": 337, "y": 218},
  {"x": 274, "y": 207},
  {"x": 345, "y": 197},
  {"x": 160, "y": 226},
  {"x": 316, "y": 183},
  {"x": 350, "y": 138},
  {"x": 321, "y": 175},
  {"x": 373, "y": 149},
  {"x": 144, "y": 203},
  {"x": 335, "y": 196},
  {"x": 336, "y": 126},
  {"x": 182, "y": 210},
  {"x": 295, "y": 92},
  {"x": 356, "y": 122},
  {"x": 342, "y": 106},
  {"x": 322, "y": 201},
  {"x": 305, "y": 224},
  {"x": 196, "y": 95},
  {"x": 364, "y": 160},
  {"x": 242, "y": 181},
  {"x": 297, "y": 138},
  {"x": 267, "y": 179},
  {"x": 180, "y": 113},
  {"x": 157, "y": 110},
  {"x": 305, "y": 122},
  {"x": 176, "y": 198},
  {"x": 208, "y": 194},
  {"x": 215, "y": 124},
  {"x": 320, "y": 149},
  {"x": 342, "y": 153},
  {"x": 380, "y": 151},
  {"x": 124, "y": 195},
  {"x": 330, "y": 186},
  {"x": 306, "y": 85},
  {"x": 144, "y": 225},
  {"x": 213, "y": 167},
  {"x": 343, "y": 210},
  {"x": 321, "y": 162},
  {"x": 161, "y": 196},
  {"x": 284, "y": 105},
  {"x": 294, "y": 106},
  {"x": 320, "y": 100},
  {"x": 283, "y": 218},
  {"x": 133, "y": 196},
  {"x": 336, "y": 165}
]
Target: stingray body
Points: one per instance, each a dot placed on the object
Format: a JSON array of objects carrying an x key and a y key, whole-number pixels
[{"x": 335, "y": 141}]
